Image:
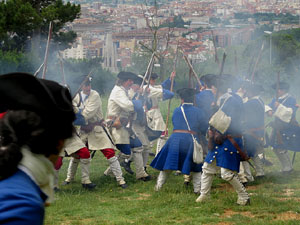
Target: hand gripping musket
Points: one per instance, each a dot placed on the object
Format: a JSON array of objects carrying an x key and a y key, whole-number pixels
[
  {"x": 47, "y": 49},
  {"x": 191, "y": 68},
  {"x": 81, "y": 85},
  {"x": 171, "y": 89},
  {"x": 257, "y": 60}
]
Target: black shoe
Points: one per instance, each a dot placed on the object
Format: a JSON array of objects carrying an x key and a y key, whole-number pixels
[
  {"x": 89, "y": 186},
  {"x": 259, "y": 177},
  {"x": 126, "y": 167},
  {"x": 145, "y": 168},
  {"x": 151, "y": 154},
  {"x": 124, "y": 186},
  {"x": 56, "y": 189},
  {"x": 245, "y": 184},
  {"x": 145, "y": 179},
  {"x": 186, "y": 183},
  {"x": 65, "y": 183},
  {"x": 266, "y": 162}
]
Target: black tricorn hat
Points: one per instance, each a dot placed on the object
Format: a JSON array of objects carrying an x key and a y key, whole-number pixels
[
  {"x": 138, "y": 80},
  {"x": 282, "y": 86},
  {"x": 51, "y": 101},
  {"x": 187, "y": 94},
  {"x": 209, "y": 79},
  {"x": 126, "y": 76}
]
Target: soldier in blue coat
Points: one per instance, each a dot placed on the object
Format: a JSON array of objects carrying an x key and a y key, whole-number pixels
[
  {"x": 177, "y": 153},
  {"x": 254, "y": 114},
  {"x": 225, "y": 144},
  {"x": 286, "y": 131}
]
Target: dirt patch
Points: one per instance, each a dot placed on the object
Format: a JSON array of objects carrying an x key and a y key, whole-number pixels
[
  {"x": 143, "y": 196},
  {"x": 288, "y": 198},
  {"x": 288, "y": 216},
  {"x": 224, "y": 186},
  {"x": 254, "y": 187},
  {"x": 288, "y": 192},
  {"x": 228, "y": 213},
  {"x": 224, "y": 223}
]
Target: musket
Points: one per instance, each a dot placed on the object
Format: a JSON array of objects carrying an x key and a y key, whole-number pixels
[
  {"x": 148, "y": 71},
  {"x": 62, "y": 69},
  {"x": 235, "y": 63},
  {"x": 47, "y": 50},
  {"x": 214, "y": 42},
  {"x": 82, "y": 83},
  {"x": 257, "y": 60},
  {"x": 277, "y": 85},
  {"x": 191, "y": 68},
  {"x": 38, "y": 70},
  {"x": 223, "y": 63},
  {"x": 171, "y": 89}
]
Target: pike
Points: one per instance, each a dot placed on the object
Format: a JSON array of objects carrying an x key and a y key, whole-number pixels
[
  {"x": 47, "y": 49},
  {"x": 191, "y": 68},
  {"x": 171, "y": 89},
  {"x": 257, "y": 60},
  {"x": 38, "y": 70}
]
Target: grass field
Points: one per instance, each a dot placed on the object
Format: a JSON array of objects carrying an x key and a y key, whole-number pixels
[{"x": 275, "y": 199}]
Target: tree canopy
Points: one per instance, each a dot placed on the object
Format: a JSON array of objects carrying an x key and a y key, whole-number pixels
[{"x": 21, "y": 20}]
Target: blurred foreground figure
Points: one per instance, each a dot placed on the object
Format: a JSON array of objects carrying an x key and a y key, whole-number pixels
[
  {"x": 36, "y": 118},
  {"x": 286, "y": 132},
  {"x": 177, "y": 153},
  {"x": 225, "y": 144}
]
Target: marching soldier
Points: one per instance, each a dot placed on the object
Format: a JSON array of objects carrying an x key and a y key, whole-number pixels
[
  {"x": 79, "y": 153},
  {"x": 177, "y": 153},
  {"x": 88, "y": 106},
  {"x": 254, "y": 110},
  {"x": 225, "y": 145},
  {"x": 155, "y": 120},
  {"x": 285, "y": 133},
  {"x": 119, "y": 112}
]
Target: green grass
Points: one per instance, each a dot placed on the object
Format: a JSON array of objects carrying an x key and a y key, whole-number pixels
[{"x": 274, "y": 200}]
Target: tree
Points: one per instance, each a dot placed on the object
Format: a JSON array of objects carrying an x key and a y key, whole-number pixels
[{"x": 23, "y": 22}]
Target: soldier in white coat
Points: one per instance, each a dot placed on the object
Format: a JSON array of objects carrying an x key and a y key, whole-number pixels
[
  {"x": 120, "y": 110},
  {"x": 154, "y": 117},
  {"x": 79, "y": 153},
  {"x": 88, "y": 106}
]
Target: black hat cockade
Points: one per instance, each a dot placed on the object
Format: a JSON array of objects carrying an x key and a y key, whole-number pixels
[
  {"x": 51, "y": 101},
  {"x": 126, "y": 76},
  {"x": 282, "y": 86},
  {"x": 187, "y": 94}
]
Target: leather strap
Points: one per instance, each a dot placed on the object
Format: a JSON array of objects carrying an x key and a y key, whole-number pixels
[
  {"x": 185, "y": 131},
  {"x": 243, "y": 154}
]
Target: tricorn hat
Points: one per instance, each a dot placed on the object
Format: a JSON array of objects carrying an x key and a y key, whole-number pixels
[
  {"x": 282, "y": 86},
  {"x": 51, "y": 101},
  {"x": 187, "y": 94},
  {"x": 138, "y": 80},
  {"x": 126, "y": 76}
]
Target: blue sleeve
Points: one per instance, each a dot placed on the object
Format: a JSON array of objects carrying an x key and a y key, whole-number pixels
[
  {"x": 79, "y": 119},
  {"x": 167, "y": 94},
  {"x": 272, "y": 104},
  {"x": 167, "y": 84},
  {"x": 203, "y": 122},
  {"x": 138, "y": 105},
  {"x": 17, "y": 210}
]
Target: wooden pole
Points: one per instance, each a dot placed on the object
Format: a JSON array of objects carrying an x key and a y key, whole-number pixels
[{"x": 47, "y": 50}]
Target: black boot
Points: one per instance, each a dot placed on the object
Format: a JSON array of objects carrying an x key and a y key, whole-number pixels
[
  {"x": 126, "y": 166},
  {"x": 89, "y": 186}
]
